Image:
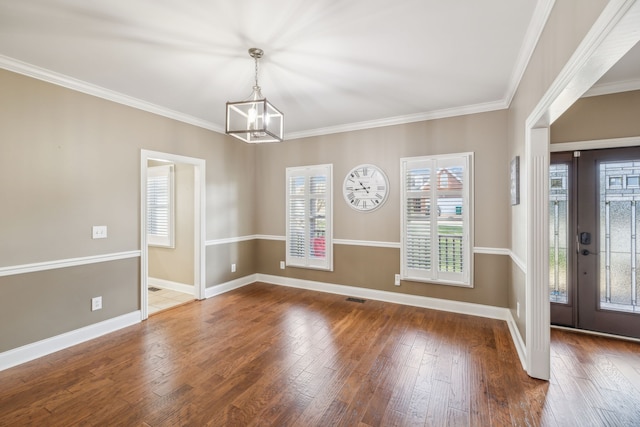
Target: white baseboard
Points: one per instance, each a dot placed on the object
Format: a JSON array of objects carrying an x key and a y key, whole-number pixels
[
  {"x": 518, "y": 342},
  {"x": 174, "y": 286},
  {"x": 394, "y": 297},
  {"x": 229, "y": 286},
  {"x": 32, "y": 351},
  {"x": 37, "y": 349}
]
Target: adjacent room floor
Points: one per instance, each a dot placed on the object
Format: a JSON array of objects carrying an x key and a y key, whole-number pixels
[
  {"x": 270, "y": 355},
  {"x": 162, "y": 299}
]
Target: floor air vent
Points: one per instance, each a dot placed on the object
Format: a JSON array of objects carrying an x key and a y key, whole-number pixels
[
  {"x": 358, "y": 300},
  {"x": 153, "y": 289}
]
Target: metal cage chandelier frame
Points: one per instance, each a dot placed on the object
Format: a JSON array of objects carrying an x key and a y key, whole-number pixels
[{"x": 255, "y": 120}]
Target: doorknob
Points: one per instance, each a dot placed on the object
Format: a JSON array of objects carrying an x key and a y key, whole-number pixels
[{"x": 585, "y": 252}]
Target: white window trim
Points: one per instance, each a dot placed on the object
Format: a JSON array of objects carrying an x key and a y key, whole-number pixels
[
  {"x": 160, "y": 240},
  {"x": 308, "y": 262},
  {"x": 465, "y": 279}
]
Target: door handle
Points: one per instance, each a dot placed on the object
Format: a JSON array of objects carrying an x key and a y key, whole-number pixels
[{"x": 585, "y": 252}]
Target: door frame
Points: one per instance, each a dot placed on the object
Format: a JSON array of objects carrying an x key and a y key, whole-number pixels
[
  {"x": 612, "y": 35},
  {"x": 199, "y": 221},
  {"x": 574, "y": 153},
  {"x": 567, "y": 312}
]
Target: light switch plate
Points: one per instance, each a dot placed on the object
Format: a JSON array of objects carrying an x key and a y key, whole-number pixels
[{"x": 99, "y": 231}]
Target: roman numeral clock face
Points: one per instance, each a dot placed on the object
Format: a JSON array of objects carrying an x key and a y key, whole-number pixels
[{"x": 365, "y": 188}]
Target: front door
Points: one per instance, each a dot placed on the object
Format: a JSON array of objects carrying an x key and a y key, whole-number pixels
[{"x": 595, "y": 249}]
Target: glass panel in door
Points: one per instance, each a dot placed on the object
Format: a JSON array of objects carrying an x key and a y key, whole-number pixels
[
  {"x": 608, "y": 217},
  {"x": 558, "y": 232},
  {"x": 619, "y": 249}
]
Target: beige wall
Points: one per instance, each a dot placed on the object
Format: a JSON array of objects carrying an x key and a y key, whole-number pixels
[
  {"x": 569, "y": 22},
  {"x": 36, "y": 306},
  {"x": 220, "y": 257},
  {"x": 599, "y": 117},
  {"x": 374, "y": 267},
  {"x": 177, "y": 264},
  {"x": 69, "y": 161},
  {"x": 484, "y": 134}
]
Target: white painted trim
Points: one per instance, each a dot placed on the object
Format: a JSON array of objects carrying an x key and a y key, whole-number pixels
[
  {"x": 371, "y": 243},
  {"x": 521, "y": 349},
  {"x": 58, "y": 79},
  {"x": 610, "y": 37},
  {"x": 595, "y": 144},
  {"x": 491, "y": 251},
  {"x": 599, "y": 334},
  {"x": 399, "y": 120},
  {"x": 64, "y": 263},
  {"x": 392, "y": 297},
  {"x": 47, "y": 346},
  {"x": 534, "y": 31},
  {"x": 597, "y": 52},
  {"x": 271, "y": 237},
  {"x": 231, "y": 285},
  {"x": 348, "y": 242},
  {"x": 228, "y": 240},
  {"x": 537, "y": 278},
  {"x": 518, "y": 262},
  {"x": 613, "y": 87},
  {"x": 199, "y": 223},
  {"x": 173, "y": 286}
]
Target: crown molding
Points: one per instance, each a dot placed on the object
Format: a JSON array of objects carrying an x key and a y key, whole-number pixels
[
  {"x": 538, "y": 21},
  {"x": 534, "y": 31},
  {"x": 399, "y": 120},
  {"x": 613, "y": 87},
  {"x": 58, "y": 79}
]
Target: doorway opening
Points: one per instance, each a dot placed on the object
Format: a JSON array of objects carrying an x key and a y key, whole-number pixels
[
  {"x": 172, "y": 219},
  {"x": 594, "y": 215},
  {"x": 613, "y": 34}
]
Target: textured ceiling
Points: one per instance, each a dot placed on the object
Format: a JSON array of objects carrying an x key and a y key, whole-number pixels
[{"x": 329, "y": 65}]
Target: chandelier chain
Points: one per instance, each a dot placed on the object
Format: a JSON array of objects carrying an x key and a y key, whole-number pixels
[{"x": 256, "y": 61}]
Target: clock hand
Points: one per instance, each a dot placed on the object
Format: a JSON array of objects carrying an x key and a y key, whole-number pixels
[{"x": 363, "y": 187}]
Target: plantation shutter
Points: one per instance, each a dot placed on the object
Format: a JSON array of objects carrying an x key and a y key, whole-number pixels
[
  {"x": 160, "y": 205},
  {"x": 308, "y": 221},
  {"x": 436, "y": 224}
]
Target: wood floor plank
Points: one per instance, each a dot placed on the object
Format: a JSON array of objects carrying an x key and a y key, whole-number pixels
[{"x": 269, "y": 355}]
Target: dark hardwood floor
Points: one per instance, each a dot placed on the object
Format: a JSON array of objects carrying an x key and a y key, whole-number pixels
[{"x": 268, "y": 355}]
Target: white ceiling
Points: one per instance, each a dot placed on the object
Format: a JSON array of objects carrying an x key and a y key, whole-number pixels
[{"x": 329, "y": 65}]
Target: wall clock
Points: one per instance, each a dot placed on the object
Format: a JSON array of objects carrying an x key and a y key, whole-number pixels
[{"x": 365, "y": 188}]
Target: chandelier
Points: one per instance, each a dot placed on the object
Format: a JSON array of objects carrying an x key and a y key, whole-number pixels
[{"x": 256, "y": 119}]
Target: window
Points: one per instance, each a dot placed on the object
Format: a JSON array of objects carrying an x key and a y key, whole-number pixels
[
  {"x": 160, "y": 206},
  {"x": 309, "y": 217},
  {"x": 436, "y": 243},
  {"x": 558, "y": 232}
]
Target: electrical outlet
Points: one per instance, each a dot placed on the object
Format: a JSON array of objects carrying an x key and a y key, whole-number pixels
[
  {"x": 518, "y": 309},
  {"x": 397, "y": 280},
  {"x": 96, "y": 303},
  {"x": 99, "y": 231},
  {"x": 281, "y": 265},
  {"x": 233, "y": 268}
]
